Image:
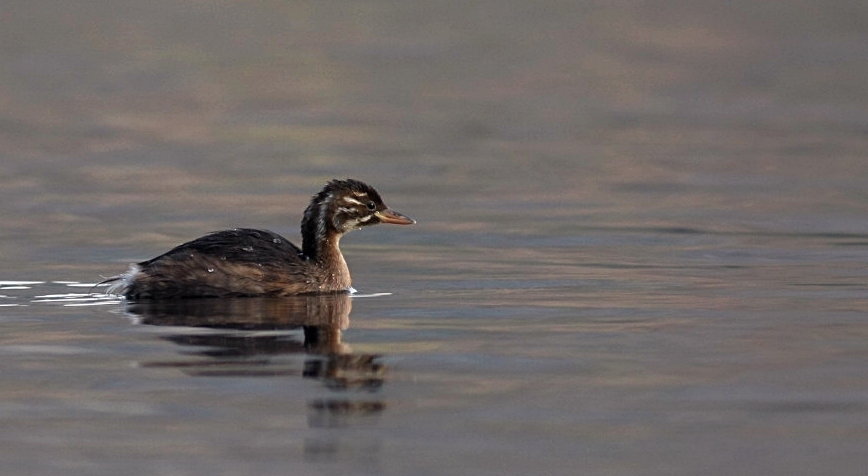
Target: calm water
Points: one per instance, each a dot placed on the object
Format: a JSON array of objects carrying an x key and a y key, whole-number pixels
[{"x": 641, "y": 246}]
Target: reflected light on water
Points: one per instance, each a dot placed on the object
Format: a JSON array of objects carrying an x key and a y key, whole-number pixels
[
  {"x": 642, "y": 245},
  {"x": 272, "y": 337}
]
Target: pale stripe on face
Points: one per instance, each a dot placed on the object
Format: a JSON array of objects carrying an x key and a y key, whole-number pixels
[
  {"x": 352, "y": 211},
  {"x": 350, "y": 200},
  {"x": 358, "y": 198}
]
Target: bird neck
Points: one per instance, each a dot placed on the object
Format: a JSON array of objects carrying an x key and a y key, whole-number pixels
[
  {"x": 320, "y": 245},
  {"x": 328, "y": 257},
  {"x": 317, "y": 236}
]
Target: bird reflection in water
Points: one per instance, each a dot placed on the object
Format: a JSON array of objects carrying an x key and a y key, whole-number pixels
[{"x": 246, "y": 337}]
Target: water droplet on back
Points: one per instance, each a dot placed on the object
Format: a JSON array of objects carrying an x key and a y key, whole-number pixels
[
  {"x": 247, "y": 248},
  {"x": 210, "y": 270}
]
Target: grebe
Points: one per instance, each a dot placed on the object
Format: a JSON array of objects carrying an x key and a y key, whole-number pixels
[{"x": 248, "y": 262}]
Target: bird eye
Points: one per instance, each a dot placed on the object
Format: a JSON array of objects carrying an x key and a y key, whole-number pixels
[{"x": 371, "y": 206}]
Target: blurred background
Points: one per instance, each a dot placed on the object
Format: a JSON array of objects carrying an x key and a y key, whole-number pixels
[
  {"x": 127, "y": 126},
  {"x": 640, "y": 249}
]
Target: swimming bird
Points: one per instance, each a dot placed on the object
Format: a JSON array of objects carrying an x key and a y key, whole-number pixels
[{"x": 250, "y": 262}]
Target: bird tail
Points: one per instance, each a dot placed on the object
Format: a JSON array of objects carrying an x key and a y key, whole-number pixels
[{"x": 119, "y": 284}]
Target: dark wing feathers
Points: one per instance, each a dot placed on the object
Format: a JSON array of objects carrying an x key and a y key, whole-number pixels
[
  {"x": 225, "y": 263},
  {"x": 238, "y": 245}
]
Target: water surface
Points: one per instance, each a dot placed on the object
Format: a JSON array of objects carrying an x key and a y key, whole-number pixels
[{"x": 641, "y": 240}]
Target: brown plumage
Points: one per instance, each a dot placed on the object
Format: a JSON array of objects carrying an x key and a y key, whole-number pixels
[{"x": 247, "y": 262}]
